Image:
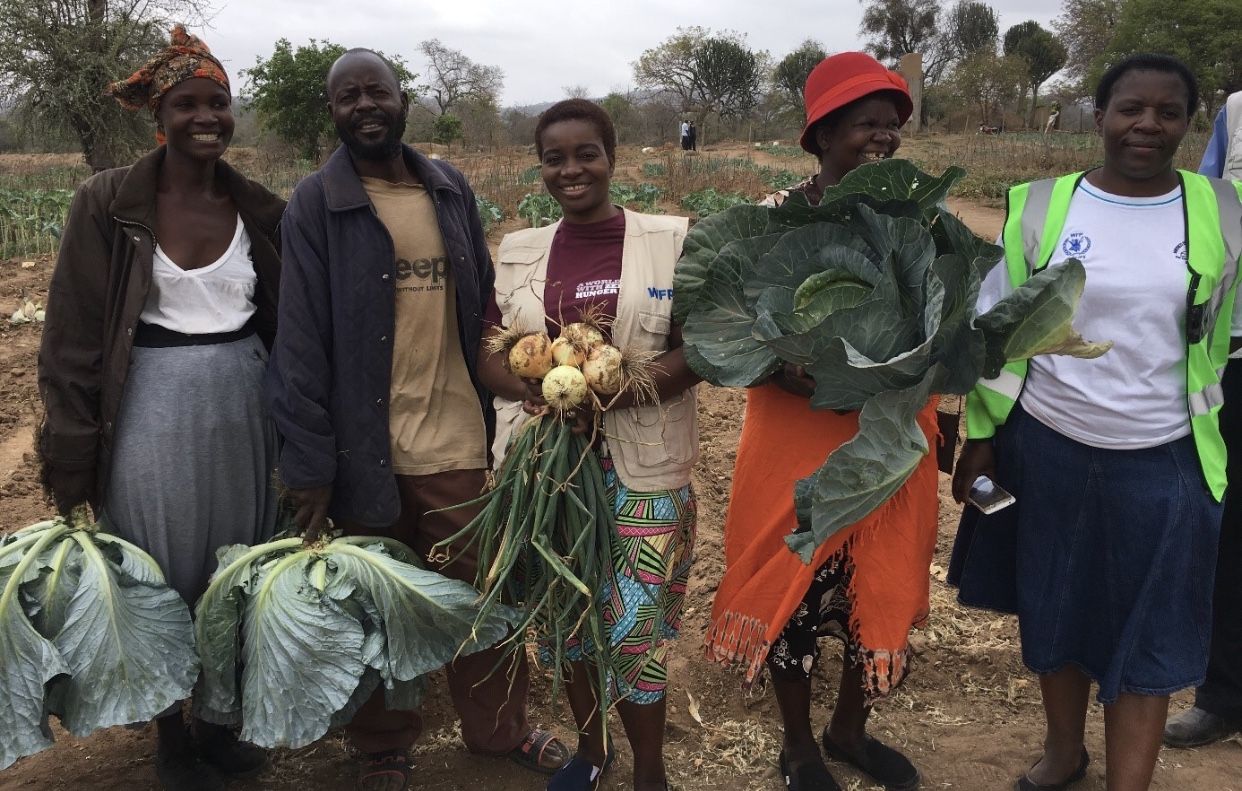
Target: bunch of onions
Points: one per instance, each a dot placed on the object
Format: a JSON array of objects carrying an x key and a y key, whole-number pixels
[{"x": 544, "y": 536}]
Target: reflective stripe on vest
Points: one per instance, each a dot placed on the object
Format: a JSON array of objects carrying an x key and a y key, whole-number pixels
[{"x": 1213, "y": 212}]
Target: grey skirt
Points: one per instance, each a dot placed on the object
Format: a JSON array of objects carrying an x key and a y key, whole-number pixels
[{"x": 192, "y": 457}]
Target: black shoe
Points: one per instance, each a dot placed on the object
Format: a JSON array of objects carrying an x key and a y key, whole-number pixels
[
  {"x": 1195, "y": 727},
  {"x": 182, "y": 770},
  {"x": 219, "y": 746},
  {"x": 810, "y": 776},
  {"x": 877, "y": 760},
  {"x": 1025, "y": 783}
]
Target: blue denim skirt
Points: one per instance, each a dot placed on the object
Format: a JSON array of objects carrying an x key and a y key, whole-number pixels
[{"x": 1108, "y": 558}]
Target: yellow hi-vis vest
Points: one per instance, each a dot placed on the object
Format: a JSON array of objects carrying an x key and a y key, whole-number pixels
[{"x": 1213, "y": 209}]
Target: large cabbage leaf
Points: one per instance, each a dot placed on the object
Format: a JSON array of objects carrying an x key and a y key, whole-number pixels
[
  {"x": 89, "y": 631},
  {"x": 874, "y": 293},
  {"x": 332, "y": 623}
]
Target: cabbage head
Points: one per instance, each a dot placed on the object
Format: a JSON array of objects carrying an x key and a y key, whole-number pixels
[
  {"x": 89, "y": 631},
  {"x": 294, "y": 639},
  {"x": 873, "y": 292}
]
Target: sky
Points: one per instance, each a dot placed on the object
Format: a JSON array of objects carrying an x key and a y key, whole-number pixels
[{"x": 543, "y": 46}]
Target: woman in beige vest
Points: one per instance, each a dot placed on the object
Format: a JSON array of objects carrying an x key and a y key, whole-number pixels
[{"x": 606, "y": 256}]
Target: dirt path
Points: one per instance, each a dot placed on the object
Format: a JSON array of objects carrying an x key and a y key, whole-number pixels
[{"x": 969, "y": 714}]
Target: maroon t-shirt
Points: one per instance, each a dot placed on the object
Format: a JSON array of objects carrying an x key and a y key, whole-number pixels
[{"x": 584, "y": 268}]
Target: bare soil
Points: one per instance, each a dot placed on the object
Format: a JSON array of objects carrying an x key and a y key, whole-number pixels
[{"x": 969, "y": 715}]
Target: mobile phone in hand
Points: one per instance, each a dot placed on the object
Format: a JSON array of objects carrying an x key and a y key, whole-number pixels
[{"x": 988, "y": 497}]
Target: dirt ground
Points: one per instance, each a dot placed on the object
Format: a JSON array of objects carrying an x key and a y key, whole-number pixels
[{"x": 969, "y": 714}]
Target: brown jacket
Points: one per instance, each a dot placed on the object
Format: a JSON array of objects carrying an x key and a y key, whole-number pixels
[{"x": 98, "y": 290}]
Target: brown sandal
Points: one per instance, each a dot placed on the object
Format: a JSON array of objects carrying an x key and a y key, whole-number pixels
[
  {"x": 386, "y": 771},
  {"x": 540, "y": 751}
]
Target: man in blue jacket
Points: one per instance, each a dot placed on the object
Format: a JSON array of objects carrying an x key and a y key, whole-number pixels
[
  {"x": 1217, "y": 712},
  {"x": 372, "y": 383}
]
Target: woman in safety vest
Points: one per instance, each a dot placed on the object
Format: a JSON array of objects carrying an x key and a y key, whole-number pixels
[{"x": 1117, "y": 463}]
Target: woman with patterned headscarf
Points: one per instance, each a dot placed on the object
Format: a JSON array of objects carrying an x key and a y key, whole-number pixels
[{"x": 160, "y": 311}]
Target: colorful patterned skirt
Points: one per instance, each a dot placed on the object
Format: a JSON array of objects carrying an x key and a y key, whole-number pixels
[{"x": 642, "y": 602}]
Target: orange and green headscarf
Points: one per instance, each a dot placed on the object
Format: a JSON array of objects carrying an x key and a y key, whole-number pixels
[{"x": 185, "y": 58}]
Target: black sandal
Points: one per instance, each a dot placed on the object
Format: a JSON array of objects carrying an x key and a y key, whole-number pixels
[
  {"x": 881, "y": 763},
  {"x": 810, "y": 776}
]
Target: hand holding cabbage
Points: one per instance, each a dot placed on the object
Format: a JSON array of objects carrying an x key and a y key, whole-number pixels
[{"x": 873, "y": 293}]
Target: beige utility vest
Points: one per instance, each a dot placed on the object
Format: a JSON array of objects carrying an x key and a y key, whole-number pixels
[{"x": 653, "y": 447}]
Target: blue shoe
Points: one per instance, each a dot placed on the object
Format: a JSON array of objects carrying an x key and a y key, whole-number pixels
[{"x": 576, "y": 774}]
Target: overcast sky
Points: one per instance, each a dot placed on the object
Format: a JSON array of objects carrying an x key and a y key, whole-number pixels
[{"x": 544, "y": 45}]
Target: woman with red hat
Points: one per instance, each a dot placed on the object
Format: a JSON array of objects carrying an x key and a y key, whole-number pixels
[{"x": 868, "y": 584}]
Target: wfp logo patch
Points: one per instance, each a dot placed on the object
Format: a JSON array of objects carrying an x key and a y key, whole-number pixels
[
  {"x": 1076, "y": 244},
  {"x": 659, "y": 293},
  {"x": 1181, "y": 252}
]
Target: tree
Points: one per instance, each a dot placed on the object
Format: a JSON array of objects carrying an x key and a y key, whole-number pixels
[
  {"x": 620, "y": 109},
  {"x": 988, "y": 82},
  {"x": 789, "y": 76},
  {"x": 1086, "y": 27},
  {"x": 671, "y": 66},
  {"x": 729, "y": 75},
  {"x": 289, "y": 92},
  {"x": 1043, "y": 53},
  {"x": 456, "y": 78},
  {"x": 58, "y": 56},
  {"x": 446, "y": 128},
  {"x": 706, "y": 72},
  {"x": 1203, "y": 33},
  {"x": 970, "y": 27},
  {"x": 899, "y": 27},
  {"x": 578, "y": 91}
]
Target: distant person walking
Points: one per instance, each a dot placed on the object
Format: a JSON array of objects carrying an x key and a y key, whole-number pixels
[
  {"x": 694, "y": 137},
  {"x": 1217, "y": 712},
  {"x": 685, "y": 135},
  {"x": 1053, "y": 116}
]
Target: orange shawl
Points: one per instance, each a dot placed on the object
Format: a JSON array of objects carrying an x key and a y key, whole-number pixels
[{"x": 784, "y": 440}]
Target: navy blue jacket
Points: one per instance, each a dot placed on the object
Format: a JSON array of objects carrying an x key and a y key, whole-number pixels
[{"x": 331, "y": 367}]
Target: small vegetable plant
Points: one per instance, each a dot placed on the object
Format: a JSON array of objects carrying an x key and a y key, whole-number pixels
[
  {"x": 539, "y": 209},
  {"x": 873, "y": 291},
  {"x": 89, "y": 631},
  {"x": 706, "y": 202},
  {"x": 489, "y": 213}
]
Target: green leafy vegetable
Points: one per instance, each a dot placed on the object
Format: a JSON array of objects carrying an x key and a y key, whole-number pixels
[
  {"x": 873, "y": 291},
  {"x": 89, "y": 631},
  {"x": 317, "y": 630}
]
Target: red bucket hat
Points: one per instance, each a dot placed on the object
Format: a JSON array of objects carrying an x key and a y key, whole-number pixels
[{"x": 843, "y": 78}]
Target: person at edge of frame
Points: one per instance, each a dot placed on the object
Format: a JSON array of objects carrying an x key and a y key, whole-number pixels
[
  {"x": 1217, "y": 711},
  {"x": 1117, "y": 463},
  {"x": 371, "y": 385}
]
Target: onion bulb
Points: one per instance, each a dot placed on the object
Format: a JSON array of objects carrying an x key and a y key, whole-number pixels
[
  {"x": 531, "y": 356},
  {"x": 564, "y": 388},
  {"x": 583, "y": 335},
  {"x": 602, "y": 369},
  {"x": 567, "y": 352}
]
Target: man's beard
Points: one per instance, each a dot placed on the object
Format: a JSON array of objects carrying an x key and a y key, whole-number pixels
[{"x": 388, "y": 148}]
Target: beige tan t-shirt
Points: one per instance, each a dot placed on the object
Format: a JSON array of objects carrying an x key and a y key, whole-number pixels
[{"x": 435, "y": 421}]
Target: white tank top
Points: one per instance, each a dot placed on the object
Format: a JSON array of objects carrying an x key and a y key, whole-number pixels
[{"x": 218, "y": 297}]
